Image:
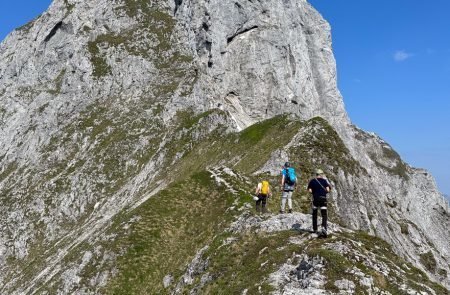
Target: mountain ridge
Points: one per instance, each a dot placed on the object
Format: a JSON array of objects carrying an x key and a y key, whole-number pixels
[{"x": 100, "y": 101}]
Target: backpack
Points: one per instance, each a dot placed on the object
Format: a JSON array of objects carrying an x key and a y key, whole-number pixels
[
  {"x": 265, "y": 188},
  {"x": 290, "y": 178}
]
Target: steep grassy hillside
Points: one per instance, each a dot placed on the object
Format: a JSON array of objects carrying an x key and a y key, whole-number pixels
[{"x": 182, "y": 239}]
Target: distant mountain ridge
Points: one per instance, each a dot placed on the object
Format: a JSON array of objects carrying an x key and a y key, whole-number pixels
[{"x": 114, "y": 109}]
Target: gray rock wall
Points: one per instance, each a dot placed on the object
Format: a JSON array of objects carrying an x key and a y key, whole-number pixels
[
  {"x": 258, "y": 59},
  {"x": 85, "y": 73}
]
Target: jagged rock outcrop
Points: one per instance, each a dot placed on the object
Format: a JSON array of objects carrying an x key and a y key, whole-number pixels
[{"x": 103, "y": 104}]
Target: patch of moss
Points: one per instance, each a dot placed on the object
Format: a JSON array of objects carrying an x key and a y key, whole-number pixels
[
  {"x": 86, "y": 29},
  {"x": 166, "y": 89},
  {"x": 3, "y": 113},
  {"x": 404, "y": 228},
  {"x": 187, "y": 119},
  {"x": 58, "y": 83},
  {"x": 400, "y": 169},
  {"x": 427, "y": 259},
  {"x": 371, "y": 243},
  {"x": 336, "y": 266},
  {"x": 442, "y": 272},
  {"x": 392, "y": 204},
  {"x": 8, "y": 170},
  {"x": 134, "y": 8},
  {"x": 27, "y": 93},
  {"x": 42, "y": 108},
  {"x": 157, "y": 26},
  {"x": 69, "y": 7},
  {"x": 101, "y": 67}
]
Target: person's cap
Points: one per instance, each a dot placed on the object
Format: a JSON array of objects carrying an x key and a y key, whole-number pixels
[
  {"x": 319, "y": 171},
  {"x": 287, "y": 164}
]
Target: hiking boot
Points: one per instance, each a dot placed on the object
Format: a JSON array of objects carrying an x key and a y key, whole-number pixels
[
  {"x": 290, "y": 211},
  {"x": 324, "y": 232},
  {"x": 281, "y": 212}
]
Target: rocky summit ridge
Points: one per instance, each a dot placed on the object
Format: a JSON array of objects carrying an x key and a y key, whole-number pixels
[{"x": 132, "y": 134}]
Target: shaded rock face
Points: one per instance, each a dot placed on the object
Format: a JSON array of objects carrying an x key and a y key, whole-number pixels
[{"x": 100, "y": 99}]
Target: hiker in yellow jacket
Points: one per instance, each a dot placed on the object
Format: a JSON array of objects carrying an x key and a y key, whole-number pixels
[{"x": 262, "y": 193}]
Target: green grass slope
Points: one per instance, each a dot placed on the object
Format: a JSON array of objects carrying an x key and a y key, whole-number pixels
[{"x": 160, "y": 238}]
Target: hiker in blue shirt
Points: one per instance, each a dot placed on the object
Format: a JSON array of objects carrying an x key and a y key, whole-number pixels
[
  {"x": 288, "y": 183},
  {"x": 319, "y": 187}
]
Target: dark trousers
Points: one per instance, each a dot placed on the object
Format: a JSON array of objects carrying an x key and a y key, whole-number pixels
[
  {"x": 262, "y": 200},
  {"x": 319, "y": 203}
]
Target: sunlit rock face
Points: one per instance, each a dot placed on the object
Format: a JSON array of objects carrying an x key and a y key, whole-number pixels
[
  {"x": 102, "y": 101},
  {"x": 263, "y": 58}
]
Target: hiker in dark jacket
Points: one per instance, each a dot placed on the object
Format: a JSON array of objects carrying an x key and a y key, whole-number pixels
[{"x": 319, "y": 187}]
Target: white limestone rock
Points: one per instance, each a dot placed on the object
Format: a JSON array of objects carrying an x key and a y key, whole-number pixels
[{"x": 84, "y": 63}]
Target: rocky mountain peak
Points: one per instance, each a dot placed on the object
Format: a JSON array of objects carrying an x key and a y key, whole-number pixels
[
  {"x": 264, "y": 58},
  {"x": 121, "y": 121}
]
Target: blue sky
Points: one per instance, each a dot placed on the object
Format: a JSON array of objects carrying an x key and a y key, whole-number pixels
[
  {"x": 15, "y": 13},
  {"x": 393, "y": 61}
]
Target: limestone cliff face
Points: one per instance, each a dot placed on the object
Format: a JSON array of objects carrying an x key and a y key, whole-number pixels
[
  {"x": 101, "y": 99},
  {"x": 262, "y": 58}
]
